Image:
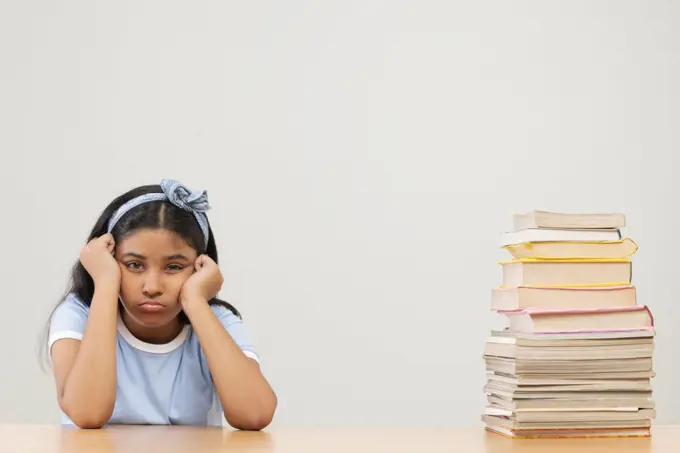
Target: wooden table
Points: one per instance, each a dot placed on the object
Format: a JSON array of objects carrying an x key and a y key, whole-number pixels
[{"x": 161, "y": 439}]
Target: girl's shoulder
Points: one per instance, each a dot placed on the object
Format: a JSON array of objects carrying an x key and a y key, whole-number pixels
[
  {"x": 68, "y": 320},
  {"x": 224, "y": 314},
  {"x": 74, "y": 304}
]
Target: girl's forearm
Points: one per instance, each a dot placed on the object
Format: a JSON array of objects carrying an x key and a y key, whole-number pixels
[
  {"x": 247, "y": 399},
  {"x": 89, "y": 393}
]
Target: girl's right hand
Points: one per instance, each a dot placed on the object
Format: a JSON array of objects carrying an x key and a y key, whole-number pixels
[{"x": 97, "y": 259}]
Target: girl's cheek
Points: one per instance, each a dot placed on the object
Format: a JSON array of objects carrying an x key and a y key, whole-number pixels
[
  {"x": 178, "y": 280},
  {"x": 183, "y": 279},
  {"x": 129, "y": 281}
]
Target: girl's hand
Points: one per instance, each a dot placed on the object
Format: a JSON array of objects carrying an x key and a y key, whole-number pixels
[
  {"x": 97, "y": 259},
  {"x": 204, "y": 284}
]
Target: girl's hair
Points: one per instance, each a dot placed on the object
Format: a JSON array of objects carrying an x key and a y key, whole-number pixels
[{"x": 149, "y": 215}]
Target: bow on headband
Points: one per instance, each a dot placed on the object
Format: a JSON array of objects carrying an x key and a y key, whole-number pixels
[{"x": 179, "y": 195}]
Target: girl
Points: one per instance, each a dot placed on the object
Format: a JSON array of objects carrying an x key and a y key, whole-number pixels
[{"x": 140, "y": 337}]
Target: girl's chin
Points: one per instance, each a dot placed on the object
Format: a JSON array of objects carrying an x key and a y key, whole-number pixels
[{"x": 151, "y": 316}]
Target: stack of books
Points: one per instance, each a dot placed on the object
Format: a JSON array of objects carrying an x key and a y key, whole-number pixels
[{"x": 575, "y": 359}]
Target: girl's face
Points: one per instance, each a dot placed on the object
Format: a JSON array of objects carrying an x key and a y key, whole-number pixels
[{"x": 154, "y": 265}]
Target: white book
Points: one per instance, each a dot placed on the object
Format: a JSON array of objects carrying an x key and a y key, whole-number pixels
[
  {"x": 545, "y": 219},
  {"x": 557, "y": 235}
]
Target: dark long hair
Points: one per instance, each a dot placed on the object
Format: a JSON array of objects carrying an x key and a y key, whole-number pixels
[{"x": 149, "y": 215}]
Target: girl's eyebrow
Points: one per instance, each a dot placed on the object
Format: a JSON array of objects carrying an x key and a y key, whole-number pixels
[
  {"x": 177, "y": 256},
  {"x": 134, "y": 255}
]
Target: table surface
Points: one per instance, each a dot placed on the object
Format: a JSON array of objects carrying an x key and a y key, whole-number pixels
[{"x": 166, "y": 439}]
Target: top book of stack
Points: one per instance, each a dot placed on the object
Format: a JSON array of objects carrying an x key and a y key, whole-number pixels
[{"x": 544, "y": 219}]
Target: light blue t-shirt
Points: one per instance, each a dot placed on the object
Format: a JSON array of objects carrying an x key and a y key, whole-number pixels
[{"x": 159, "y": 384}]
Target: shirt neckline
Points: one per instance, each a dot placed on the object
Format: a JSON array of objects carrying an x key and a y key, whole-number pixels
[{"x": 151, "y": 347}]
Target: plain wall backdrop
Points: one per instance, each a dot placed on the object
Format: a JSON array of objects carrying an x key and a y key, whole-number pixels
[{"x": 362, "y": 158}]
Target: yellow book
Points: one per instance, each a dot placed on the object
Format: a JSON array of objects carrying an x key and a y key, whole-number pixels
[
  {"x": 574, "y": 249},
  {"x": 567, "y": 260}
]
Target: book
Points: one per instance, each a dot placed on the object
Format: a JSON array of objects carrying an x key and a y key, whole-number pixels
[
  {"x": 568, "y": 433},
  {"x": 564, "y": 396},
  {"x": 576, "y": 416},
  {"x": 614, "y": 351},
  {"x": 561, "y": 273},
  {"x": 548, "y": 341},
  {"x": 517, "y": 391},
  {"x": 571, "y": 420},
  {"x": 556, "y": 297},
  {"x": 622, "y": 248},
  {"x": 590, "y": 401},
  {"x": 580, "y": 320},
  {"x": 564, "y": 368},
  {"x": 555, "y": 235},
  {"x": 562, "y": 379},
  {"x": 546, "y": 219},
  {"x": 508, "y": 336}
]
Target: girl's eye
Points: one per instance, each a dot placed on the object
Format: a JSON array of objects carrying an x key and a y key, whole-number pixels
[
  {"x": 135, "y": 266},
  {"x": 175, "y": 267}
]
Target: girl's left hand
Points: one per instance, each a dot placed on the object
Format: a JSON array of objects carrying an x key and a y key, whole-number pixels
[{"x": 205, "y": 282}]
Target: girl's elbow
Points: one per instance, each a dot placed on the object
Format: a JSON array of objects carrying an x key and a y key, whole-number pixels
[
  {"x": 88, "y": 418},
  {"x": 254, "y": 423},
  {"x": 89, "y": 423}
]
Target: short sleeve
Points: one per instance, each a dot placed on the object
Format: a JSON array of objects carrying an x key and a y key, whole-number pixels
[
  {"x": 68, "y": 321},
  {"x": 234, "y": 325}
]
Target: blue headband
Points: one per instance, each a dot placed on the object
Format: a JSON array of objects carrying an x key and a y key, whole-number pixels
[{"x": 179, "y": 195}]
